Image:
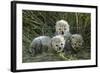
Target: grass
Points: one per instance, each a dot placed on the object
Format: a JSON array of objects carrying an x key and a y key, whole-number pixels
[{"x": 38, "y": 23}]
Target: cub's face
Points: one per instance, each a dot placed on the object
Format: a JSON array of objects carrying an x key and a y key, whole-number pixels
[
  {"x": 61, "y": 27},
  {"x": 76, "y": 41},
  {"x": 58, "y": 43}
]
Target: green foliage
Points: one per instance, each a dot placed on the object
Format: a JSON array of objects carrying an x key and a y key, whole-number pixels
[{"x": 38, "y": 23}]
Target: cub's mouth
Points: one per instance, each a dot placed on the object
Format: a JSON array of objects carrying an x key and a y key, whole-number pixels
[
  {"x": 62, "y": 32},
  {"x": 59, "y": 50}
]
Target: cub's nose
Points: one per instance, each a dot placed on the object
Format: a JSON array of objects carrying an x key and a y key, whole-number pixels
[
  {"x": 59, "y": 48},
  {"x": 62, "y": 32}
]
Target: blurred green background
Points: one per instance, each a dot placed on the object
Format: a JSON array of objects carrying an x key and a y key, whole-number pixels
[{"x": 38, "y": 23}]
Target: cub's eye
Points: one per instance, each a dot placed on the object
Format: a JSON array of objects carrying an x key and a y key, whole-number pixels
[
  {"x": 72, "y": 37},
  {"x": 56, "y": 45},
  {"x": 61, "y": 44},
  {"x": 79, "y": 42},
  {"x": 75, "y": 43},
  {"x": 59, "y": 29}
]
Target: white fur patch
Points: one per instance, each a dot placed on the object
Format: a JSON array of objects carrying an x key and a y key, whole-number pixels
[
  {"x": 40, "y": 44},
  {"x": 61, "y": 27},
  {"x": 44, "y": 40},
  {"x": 58, "y": 43}
]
